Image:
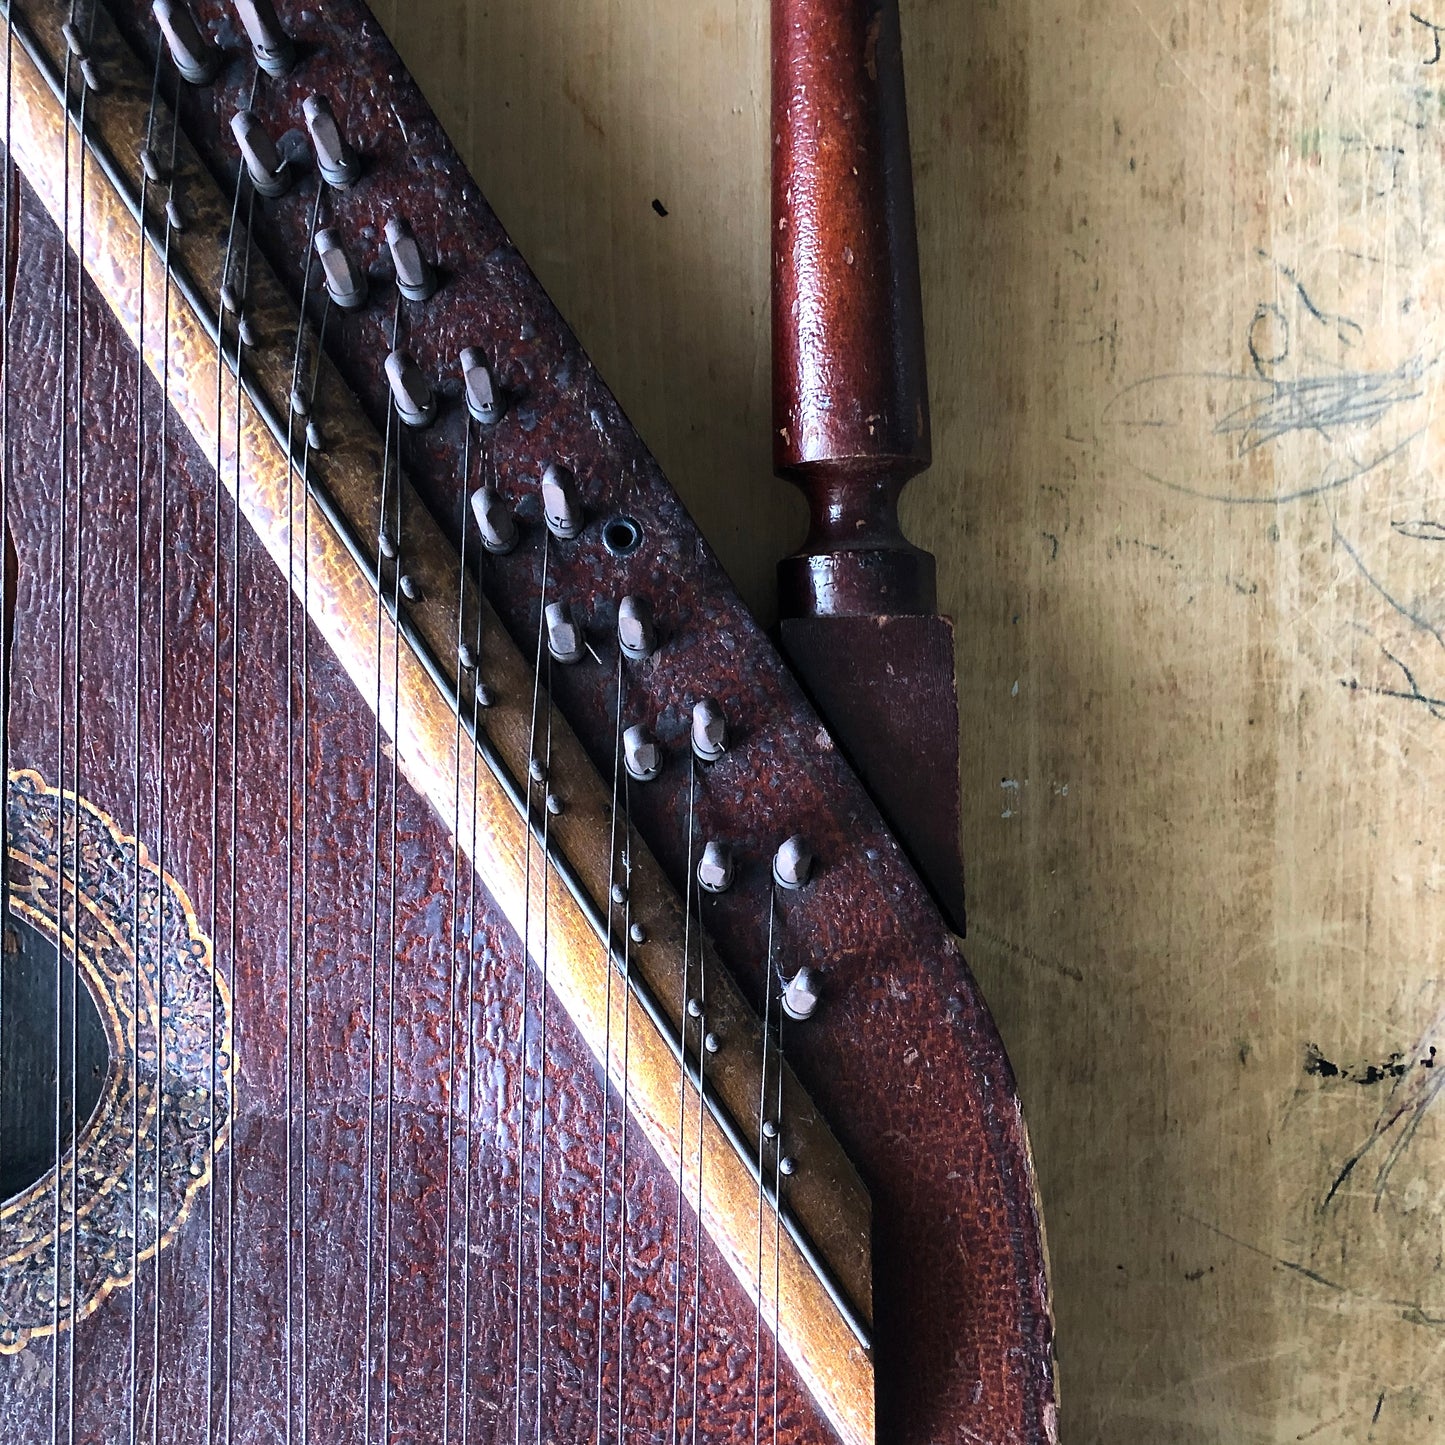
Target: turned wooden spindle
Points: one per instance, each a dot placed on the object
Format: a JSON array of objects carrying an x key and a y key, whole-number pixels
[
  {"x": 850, "y": 419},
  {"x": 850, "y": 394}
]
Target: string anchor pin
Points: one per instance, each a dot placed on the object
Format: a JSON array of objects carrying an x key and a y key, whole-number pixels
[
  {"x": 415, "y": 403},
  {"x": 484, "y": 397},
  {"x": 494, "y": 521},
  {"x": 640, "y": 754},
  {"x": 195, "y": 57},
  {"x": 715, "y": 869},
  {"x": 415, "y": 278},
  {"x": 561, "y": 504},
  {"x": 564, "y": 637},
  {"x": 793, "y": 863},
  {"x": 801, "y": 995},
  {"x": 345, "y": 284},
  {"x": 263, "y": 161},
  {"x": 336, "y": 159},
  {"x": 270, "y": 44},
  {"x": 636, "y": 635}
]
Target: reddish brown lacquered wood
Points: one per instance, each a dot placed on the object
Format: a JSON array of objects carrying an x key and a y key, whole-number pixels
[
  {"x": 850, "y": 395},
  {"x": 903, "y": 1053}
]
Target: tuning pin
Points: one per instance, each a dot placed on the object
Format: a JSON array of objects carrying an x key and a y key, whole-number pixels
[
  {"x": 150, "y": 163},
  {"x": 195, "y": 57},
  {"x": 715, "y": 867},
  {"x": 635, "y": 633},
  {"x": 345, "y": 284},
  {"x": 415, "y": 278},
  {"x": 800, "y": 995},
  {"x": 410, "y": 390},
  {"x": 792, "y": 863},
  {"x": 561, "y": 505},
  {"x": 335, "y": 159},
  {"x": 640, "y": 754},
  {"x": 494, "y": 521},
  {"x": 270, "y": 44},
  {"x": 564, "y": 637},
  {"x": 263, "y": 163},
  {"x": 484, "y": 401},
  {"x": 709, "y": 731}
]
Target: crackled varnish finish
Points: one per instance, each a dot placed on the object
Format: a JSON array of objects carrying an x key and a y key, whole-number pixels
[{"x": 959, "y": 1297}]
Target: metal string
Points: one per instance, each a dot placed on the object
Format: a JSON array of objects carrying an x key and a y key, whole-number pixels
[
  {"x": 6, "y": 307},
  {"x": 386, "y": 1229},
  {"x": 140, "y": 433},
  {"x": 607, "y": 1049},
  {"x": 306, "y": 864},
  {"x": 305, "y": 1060},
  {"x": 471, "y": 1026},
  {"x": 682, "y": 1088},
  {"x": 701, "y": 1108},
  {"x": 156, "y": 1382},
  {"x": 75, "y": 979},
  {"x": 371, "y": 1187},
  {"x": 64, "y": 475},
  {"x": 626, "y": 1113},
  {"x": 762, "y": 1143},
  {"x": 777, "y": 1218},
  {"x": 449, "y": 1126},
  {"x": 226, "y": 262},
  {"x": 532, "y": 768},
  {"x": 296, "y": 361},
  {"x": 542, "y": 995},
  {"x": 233, "y": 910}
]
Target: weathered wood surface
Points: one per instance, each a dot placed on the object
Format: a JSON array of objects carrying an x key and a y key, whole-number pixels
[{"x": 1182, "y": 277}]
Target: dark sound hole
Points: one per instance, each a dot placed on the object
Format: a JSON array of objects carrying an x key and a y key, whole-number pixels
[
  {"x": 622, "y": 536},
  {"x": 29, "y": 1056}
]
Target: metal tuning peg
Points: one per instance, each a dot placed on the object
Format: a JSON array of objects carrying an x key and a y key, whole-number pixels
[
  {"x": 635, "y": 633},
  {"x": 561, "y": 504},
  {"x": 484, "y": 399},
  {"x": 345, "y": 282},
  {"x": 270, "y": 44},
  {"x": 263, "y": 161},
  {"x": 494, "y": 521},
  {"x": 793, "y": 863},
  {"x": 709, "y": 730},
  {"x": 195, "y": 57},
  {"x": 640, "y": 754},
  {"x": 800, "y": 995},
  {"x": 75, "y": 43},
  {"x": 415, "y": 278},
  {"x": 336, "y": 159},
  {"x": 416, "y": 403},
  {"x": 715, "y": 870},
  {"x": 564, "y": 637}
]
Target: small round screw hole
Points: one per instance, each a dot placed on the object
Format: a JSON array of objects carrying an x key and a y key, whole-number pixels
[{"x": 622, "y": 536}]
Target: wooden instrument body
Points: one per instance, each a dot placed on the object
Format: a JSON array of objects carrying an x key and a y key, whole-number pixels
[{"x": 961, "y": 1314}]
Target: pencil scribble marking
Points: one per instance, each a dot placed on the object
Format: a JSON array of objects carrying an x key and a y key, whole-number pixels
[
  {"x": 1434, "y": 35},
  {"x": 1321, "y": 404},
  {"x": 1421, "y": 529}
]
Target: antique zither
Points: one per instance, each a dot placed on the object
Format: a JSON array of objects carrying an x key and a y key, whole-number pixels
[{"x": 505, "y": 1017}]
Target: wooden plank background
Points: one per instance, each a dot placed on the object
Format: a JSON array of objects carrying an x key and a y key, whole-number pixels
[{"x": 1184, "y": 268}]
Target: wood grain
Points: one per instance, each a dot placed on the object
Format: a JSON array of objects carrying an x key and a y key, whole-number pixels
[{"x": 1199, "y": 721}]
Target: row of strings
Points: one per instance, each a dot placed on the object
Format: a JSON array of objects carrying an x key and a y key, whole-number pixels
[{"x": 376, "y": 1388}]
